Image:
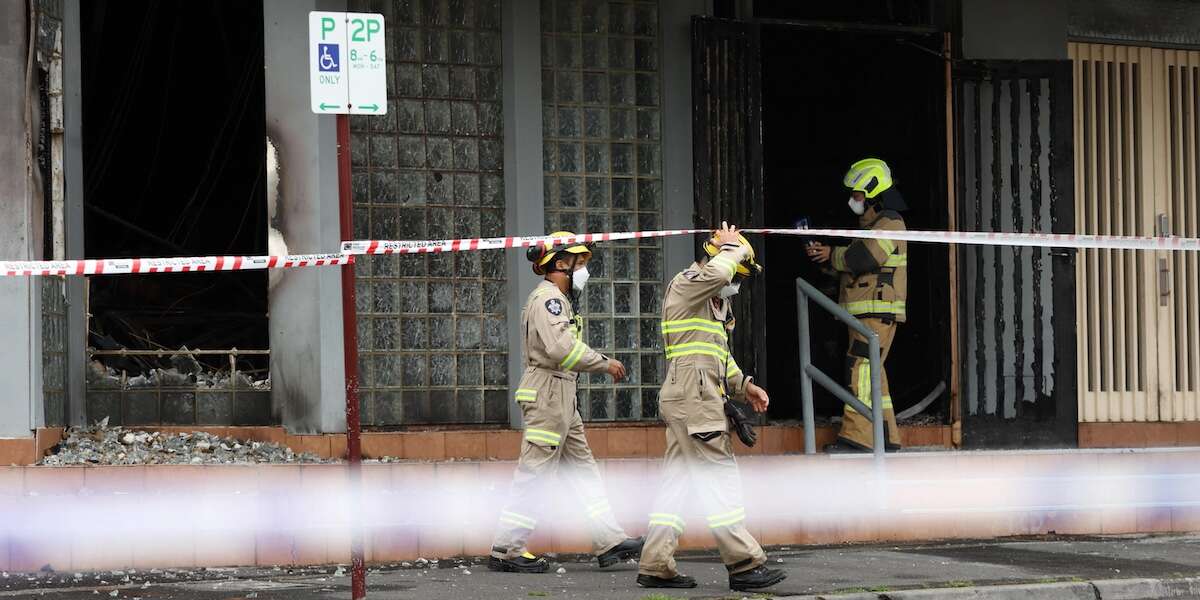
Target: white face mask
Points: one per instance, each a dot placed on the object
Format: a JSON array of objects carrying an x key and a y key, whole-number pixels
[
  {"x": 579, "y": 278},
  {"x": 730, "y": 290},
  {"x": 857, "y": 206}
]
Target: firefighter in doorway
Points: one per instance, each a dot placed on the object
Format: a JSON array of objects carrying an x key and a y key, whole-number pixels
[
  {"x": 873, "y": 282},
  {"x": 695, "y": 402},
  {"x": 554, "y": 441}
]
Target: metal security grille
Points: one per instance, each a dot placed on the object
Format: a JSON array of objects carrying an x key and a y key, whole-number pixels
[
  {"x": 601, "y": 161},
  {"x": 1136, "y": 131},
  {"x": 727, "y": 156},
  {"x": 432, "y": 331},
  {"x": 1014, "y": 175}
]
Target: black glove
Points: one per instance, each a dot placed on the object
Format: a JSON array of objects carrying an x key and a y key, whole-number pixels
[{"x": 741, "y": 424}]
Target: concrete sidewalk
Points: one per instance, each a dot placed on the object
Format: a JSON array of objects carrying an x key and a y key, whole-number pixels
[{"x": 1116, "y": 567}]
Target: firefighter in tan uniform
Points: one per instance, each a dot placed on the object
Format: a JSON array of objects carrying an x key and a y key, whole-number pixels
[
  {"x": 694, "y": 403},
  {"x": 553, "y": 441},
  {"x": 873, "y": 277}
]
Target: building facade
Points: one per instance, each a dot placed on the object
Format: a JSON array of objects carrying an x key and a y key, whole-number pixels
[{"x": 513, "y": 117}]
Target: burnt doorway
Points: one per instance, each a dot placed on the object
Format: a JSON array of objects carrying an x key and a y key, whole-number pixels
[
  {"x": 780, "y": 111},
  {"x": 835, "y": 96},
  {"x": 174, "y": 161},
  {"x": 1019, "y": 326}
]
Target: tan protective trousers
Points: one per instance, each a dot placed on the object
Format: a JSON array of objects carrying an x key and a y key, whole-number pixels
[
  {"x": 708, "y": 471},
  {"x": 554, "y": 444},
  {"x": 856, "y": 428}
]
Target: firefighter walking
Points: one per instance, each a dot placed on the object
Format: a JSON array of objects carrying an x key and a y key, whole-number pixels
[
  {"x": 554, "y": 441},
  {"x": 873, "y": 276},
  {"x": 694, "y": 403}
]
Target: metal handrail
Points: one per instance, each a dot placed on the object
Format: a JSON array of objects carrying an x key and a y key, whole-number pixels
[{"x": 809, "y": 372}]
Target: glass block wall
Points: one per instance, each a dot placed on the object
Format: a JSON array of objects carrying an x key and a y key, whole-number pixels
[
  {"x": 54, "y": 348},
  {"x": 432, "y": 330},
  {"x": 602, "y": 168}
]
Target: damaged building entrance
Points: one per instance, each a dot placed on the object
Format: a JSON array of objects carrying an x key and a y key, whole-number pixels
[
  {"x": 822, "y": 98},
  {"x": 173, "y": 128},
  {"x": 782, "y": 109}
]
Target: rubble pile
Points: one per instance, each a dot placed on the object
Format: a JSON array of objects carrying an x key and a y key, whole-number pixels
[
  {"x": 102, "y": 377},
  {"x": 100, "y": 444}
]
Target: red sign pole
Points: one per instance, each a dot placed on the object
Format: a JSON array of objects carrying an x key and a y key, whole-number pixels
[{"x": 350, "y": 344}]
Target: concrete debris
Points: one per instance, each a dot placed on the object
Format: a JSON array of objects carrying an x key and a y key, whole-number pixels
[
  {"x": 100, "y": 444},
  {"x": 186, "y": 363},
  {"x": 921, "y": 420},
  {"x": 184, "y": 373},
  {"x": 561, "y": 570}
]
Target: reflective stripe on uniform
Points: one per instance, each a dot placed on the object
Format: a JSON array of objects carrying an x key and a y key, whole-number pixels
[
  {"x": 596, "y": 508},
  {"x": 863, "y": 390},
  {"x": 864, "y": 382},
  {"x": 732, "y": 369},
  {"x": 896, "y": 260},
  {"x": 887, "y": 403},
  {"x": 705, "y": 325},
  {"x": 888, "y": 246},
  {"x": 726, "y": 519},
  {"x": 721, "y": 261},
  {"x": 706, "y": 348},
  {"x": 573, "y": 357},
  {"x": 667, "y": 520},
  {"x": 875, "y": 307},
  {"x": 838, "y": 258},
  {"x": 541, "y": 435},
  {"x": 526, "y": 395},
  {"x": 517, "y": 520}
]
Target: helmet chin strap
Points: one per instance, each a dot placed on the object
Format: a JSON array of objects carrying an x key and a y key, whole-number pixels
[
  {"x": 570, "y": 271},
  {"x": 571, "y": 283}
]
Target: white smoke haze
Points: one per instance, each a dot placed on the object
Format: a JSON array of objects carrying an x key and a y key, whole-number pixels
[
  {"x": 963, "y": 492},
  {"x": 276, "y": 244}
]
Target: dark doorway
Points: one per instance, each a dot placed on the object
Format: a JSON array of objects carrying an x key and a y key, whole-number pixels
[
  {"x": 832, "y": 97},
  {"x": 174, "y": 165}
]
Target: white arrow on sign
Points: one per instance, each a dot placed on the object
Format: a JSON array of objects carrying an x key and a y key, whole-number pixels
[{"x": 368, "y": 67}]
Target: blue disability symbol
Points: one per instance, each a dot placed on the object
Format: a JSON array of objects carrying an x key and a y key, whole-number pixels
[{"x": 328, "y": 57}]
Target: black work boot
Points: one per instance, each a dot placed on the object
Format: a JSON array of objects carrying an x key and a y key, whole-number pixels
[
  {"x": 678, "y": 581},
  {"x": 630, "y": 548},
  {"x": 844, "y": 446},
  {"x": 756, "y": 579},
  {"x": 525, "y": 563}
]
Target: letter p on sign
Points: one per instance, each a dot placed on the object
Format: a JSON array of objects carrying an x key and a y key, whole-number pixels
[{"x": 327, "y": 25}]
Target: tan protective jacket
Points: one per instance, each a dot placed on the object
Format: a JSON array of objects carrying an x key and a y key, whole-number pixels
[
  {"x": 554, "y": 355},
  {"x": 874, "y": 273},
  {"x": 697, "y": 343}
]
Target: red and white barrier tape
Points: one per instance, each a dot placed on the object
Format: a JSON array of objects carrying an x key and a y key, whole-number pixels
[
  {"x": 125, "y": 266},
  {"x": 1043, "y": 240},
  {"x": 122, "y": 266},
  {"x": 496, "y": 243}
]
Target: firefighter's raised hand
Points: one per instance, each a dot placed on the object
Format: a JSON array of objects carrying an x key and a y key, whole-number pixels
[
  {"x": 727, "y": 234},
  {"x": 616, "y": 369},
  {"x": 757, "y": 397},
  {"x": 818, "y": 252}
]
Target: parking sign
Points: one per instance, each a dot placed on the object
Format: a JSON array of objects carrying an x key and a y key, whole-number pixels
[{"x": 348, "y": 67}]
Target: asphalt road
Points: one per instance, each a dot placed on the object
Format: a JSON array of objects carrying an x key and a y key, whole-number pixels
[{"x": 811, "y": 570}]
